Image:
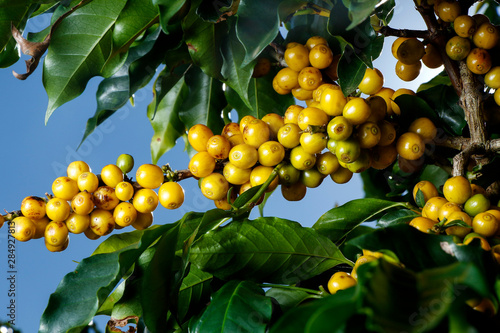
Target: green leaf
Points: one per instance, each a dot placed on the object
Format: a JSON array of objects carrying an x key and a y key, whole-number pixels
[
  {"x": 82, "y": 42},
  {"x": 239, "y": 306},
  {"x": 115, "y": 91},
  {"x": 325, "y": 315},
  {"x": 169, "y": 10},
  {"x": 396, "y": 217},
  {"x": 81, "y": 293},
  {"x": 351, "y": 70},
  {"x": 237, "y": 76},
  {"x": 134, "y": 19},
  {"x": 360, "y": 10},
  {"x": 288, "y": 298},
  {"x": 166, "y": 123},
  {"x": 339, "y": 221},
  {"x": 211, "y": 11},
  {"x": 159, "y": 281},
  {"x": 9, "y": 55},
  {"x": 117, "y": 242},
  {"x": 205, "y": 101},
  {"x": 255, "y": 37},
  {"x": 385, "y": 11},
  {"x": 266, "y": 250},
  {"x": 194, "y": 293},
  {"x": 440, "y": 79},
  {"x": 435, "y": 175},
  {"x": 204, "y": 41},
  {"x": 444, "y": 101},
  {"x": 16, "y": 12},
  {"x": 419, "y": 198},
  {"x": 262, "y": 97},
  {"x": 384, "y": 283}
]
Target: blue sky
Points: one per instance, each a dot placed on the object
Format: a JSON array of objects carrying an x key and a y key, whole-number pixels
[{"x": 33, "y": 155}]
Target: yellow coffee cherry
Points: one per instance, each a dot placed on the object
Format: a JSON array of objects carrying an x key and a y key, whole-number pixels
[
  {"x": 145, "y": 200},
  {"x": 424, "y": 127},
  {"x": 372, "y": 81},
  {"x": 198, "y": 136},
  {"x": 77, "y": 223},
  {"x": 423, "y": 224},
  {"x": 171, "y": 195},
  {"x": 76, "y": 168},
  {"x": 320, "y": 56},
  {"x": 341, "y": 176},
  {"x": 57, "y": 209},
  {"x": 401, "y": 91},
  {"x": 458, "y": 230},
  {"x": 59, "y": 248},
  {"x": 101, "y": 222},
  {"x": 313, "y": 143},
  {"x": 88, "y": 181},
  {"x": 432, "y": 206},
  {"x": 302, "y": 160},
  {"x": 82, "y": 203},
  {"x": 287, "y": 79},
  {"x": 294, "y": 192},
  {"x": 56, "y": 233},
  {"x": 314, "y": 41},
  {"x": 105, "y": 198},
  {"x": 312, "y": 116},
  {"x": 150, "y": 176},
  {"x": 256, "y": 132},
  {"x": 410, "y": 51},
  {"x": 271, "y": 153},
  {"x": 201, "y": 164},
  {"x": 332, "y": 101},
  {"x": 143, "y": 221},
  {"x": 260, "y": 174},
  {"x": 292, "y": 114},
  {"x": 485, "y": 224},
  {"x": 65, "y": 188},
  {"x": 297, "y": 56},
  {"x": 447, "y": 209},
  {"x": 340, "y": 281},
  {"x": 124, "y": 191},
  {"x": 457, "y": 189},
  {"x": 40, "y": 224},
  {"x": 428, "y": 189},
  {"x": 275, "y": 122},
  {"x": 289, "y": 135},
  {"x": 357, "y": 111},
  {"x": 243, "y": 156},
  {"x": 214, "y": 186},
  {"x": 111, "y": 175},
  {"x": 361, "y": 261},
  {"x": 24, "y": 228},
  {"x": 124, "y": 214},
  {"x": 91, "y": 234},
  {"x": 386, "y": 94},
  {"x": 33, "y": 207}
]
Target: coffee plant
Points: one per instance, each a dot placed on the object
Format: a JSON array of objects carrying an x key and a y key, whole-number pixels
[{"x": 274, "y": 96}]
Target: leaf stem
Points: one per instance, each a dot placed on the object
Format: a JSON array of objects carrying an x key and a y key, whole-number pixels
[{"x": 309, "y": 291}]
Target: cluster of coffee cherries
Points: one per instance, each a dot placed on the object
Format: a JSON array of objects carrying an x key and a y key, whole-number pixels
[
  {"x": 476, "y": 42},
  {"x": 463, "y": 202},
  {"x": 306, "y": 65},
  {"x": 95, "y": 204},
  {"x": 410, "y": 53}
]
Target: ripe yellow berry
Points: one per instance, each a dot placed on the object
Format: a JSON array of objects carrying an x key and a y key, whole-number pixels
[
  {"x": 101, "y": 222},
  {"x": 88, "y": 181},
  {"x": 77, "y": 223},
  {"x": 76, "y": 168},
  {"x": 105, "y": 198},
  {"x": 145, "y": 200},
  {"x": 56, "y": 233},
  {"x": 33, "y": 207},
  {"x": 83, "y": 203},
  {"x": 150, "y": 176},
  {"x": 171, "y": 195},
  {"x": 65, "y": 188},
  {"x": 124, "y": 214},
  {"x": 124, "y": 191},
  {"x": 24, "y": 228},
  {"x": 111, "y": 175},
  {"x": 57, "y": 209}
]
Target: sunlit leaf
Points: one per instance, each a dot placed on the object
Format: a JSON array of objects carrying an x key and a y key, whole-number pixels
[
  {"x": 267, "y": 250},
  {"x": 82, "y": 42},
  {"x": 339, "y": 221}
]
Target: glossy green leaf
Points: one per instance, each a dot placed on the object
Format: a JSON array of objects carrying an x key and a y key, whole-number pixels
[
  {"x": 287, "y": 298},
  {"x": 396, "y": 217},
  {"x": 169, "y": 10},
  {"x": 262, "y": 97},
  {"x": 419, "y": 251},
  {"x": 239, "y": 306},
  {"x": 205, "y": 101},
  {"x": 237, "y": 76},
  {"x": 134, "y": 19},
  {"x": 435, "y": 175},
  {"x": 385, "y": 11},
  {"x": 351, "y": 70},
  {"x": 325, "y": 315},
  {"x": 9, "y": 55},
  {"x": 115, "y": 91},
  {"x": 159, "y": 281},
  {"x": 194, "y": 293},
  {"x": 441, "y": 78},
  {"x": 413, "y": 107},
  {"x": 360, "y": 10},
  {"x": 419, "y": 198},
  {"x": 16, "y": 12},
  {"x": 204, "y": 40},
  {"x": 129, "y": 303},
  {"x": 339, "y": 221},
  {"x": 266, "y": 250},
  {"x": 81, "y": 292},
  {"x": 255, "y": 37},
  {"x": 444, "y": 100},
  {"x": 117, "y": 242},
  {"x": 82, "y": 42},
  {"x": 165, "y": 120}
]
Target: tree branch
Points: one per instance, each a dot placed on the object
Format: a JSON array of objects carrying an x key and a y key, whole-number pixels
[{"x": 388, "y": 31}]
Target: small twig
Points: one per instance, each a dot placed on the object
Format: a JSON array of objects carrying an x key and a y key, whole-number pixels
[{"x": 388, "y": 31}]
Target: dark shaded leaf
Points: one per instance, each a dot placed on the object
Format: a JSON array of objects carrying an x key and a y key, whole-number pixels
[
  {"x": 169, "y": 9},
  {"x": 351, "y": 70},
  {"x": 239, "y": 306},
  {"x": 255, "y": 37},
  {"x": 440, "y": 79},
  {"x": 267, "y": 250},
  {"x": 360, "y": 10},
  {"x": 288, "y": 299},
  {"x": 205, "y": 101},
  {"x": 339, "y": 221},
  {"x": 194, "y": 293},
  {"x": 420, "y": 199},
  {"x": 213, "y": 10},
  {"x": 396, "y": 217}
]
